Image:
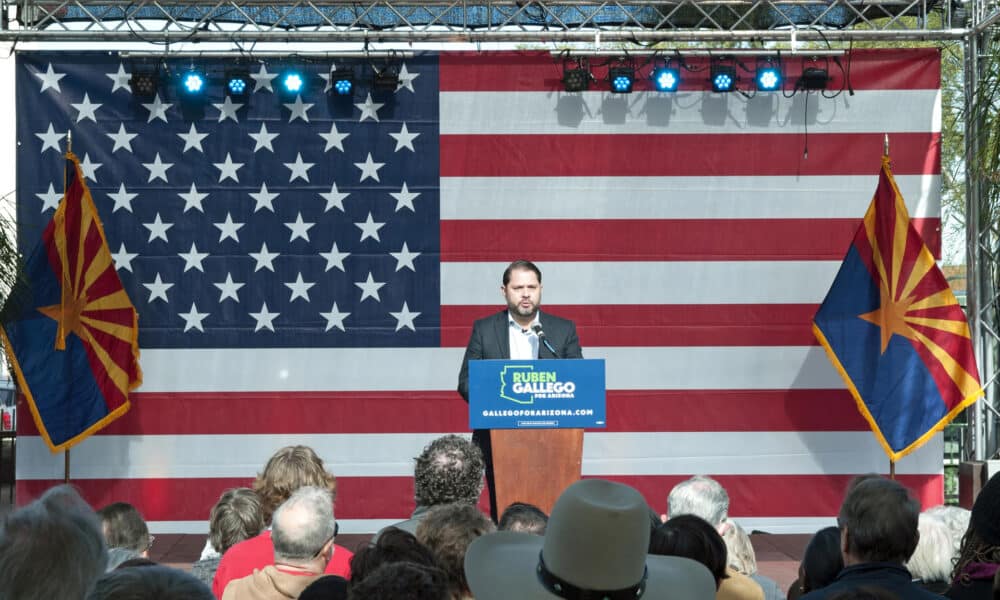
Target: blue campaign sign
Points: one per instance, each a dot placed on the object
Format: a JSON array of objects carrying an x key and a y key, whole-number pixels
[{"x": 536, "y": 394}]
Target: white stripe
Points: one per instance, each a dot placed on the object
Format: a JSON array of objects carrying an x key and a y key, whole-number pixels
[
  {"x": 365, "y": 526},
  {"x": 610, "y": 283},
  {"x": 436, "y": 369},
  {"x": 533, "y": 198},
  {"x": 391, "y": 455},
  {"x": 651, "y": 113}
]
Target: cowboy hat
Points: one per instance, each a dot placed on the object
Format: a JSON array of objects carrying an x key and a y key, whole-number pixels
[{"x": 595, "y": 546}]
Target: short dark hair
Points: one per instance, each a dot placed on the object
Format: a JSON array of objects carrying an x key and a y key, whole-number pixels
[
  {"x": 124, "y": 527},
  {"x": 392, "y": 545},
  {"x": 448, "y": 531},
  {"x": 691, "y": 537},
  {"x": 237, "y": 516},
  {"x": 450, "y": 469},
  {"x": 401, "y": 581},
  {"x": 521, "y": 265},
  {"x": 154, "y": 582},
  {"x": 880, "y": 518},
  {"x": 865, "y": 592},
  {"x": 523, "y": 517},
  {"x": 822, "y": 559},
  {"x": 51, "y": 548}
]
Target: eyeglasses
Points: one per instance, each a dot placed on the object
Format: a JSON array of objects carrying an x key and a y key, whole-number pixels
[
  {"x": 336, "y": 529},
  {"x": 150, "y": 544}
]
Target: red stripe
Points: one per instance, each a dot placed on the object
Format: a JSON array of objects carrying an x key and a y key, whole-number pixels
[
  {"x": 392, "y": 497},
  {"x": 910, "y": 69},
  {"x": 250, "y": 413},
  {"x": 648, "y": 325},
  {"x": 691, "y": 155},
  {"x": 661, "y": 240}
]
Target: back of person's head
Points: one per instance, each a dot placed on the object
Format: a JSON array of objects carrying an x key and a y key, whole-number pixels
[
  {"x": 981, "y": 542},
  {"x": 956, "y": 519},
  {"x": 524, "y": 518},
  {"x": 393, "y": 545},
  {"x": 237, "y": 516},
  {"x": 448, "y": 530},
  {"x": 931, "y": 561},
  {"x": 289, "y": 469},
  {"x": 739, "y": 549},
  {"x": 879, "y": 521},
  {"x": 303, "y": 525},
  {"x": 155, "y": 582},
  {"x": 401, "y": 581},
  {"x": 51, "y": 548},
  {"x": 865, "y": 592},
  {"x": 700, "y": 496},
  {"x": 328, "y": 587},
  {"x": 450, "y": 469},
  {"x": 691, "y": 537},
  {"x": 124, "y": 527},
  {"x": 822, "y": 560},
  {"x": 117, "y": 556}
]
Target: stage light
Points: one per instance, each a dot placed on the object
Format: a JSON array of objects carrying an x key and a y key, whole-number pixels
[
  {"x": 342, "y": 81},
  {"x": 576, "y": 77},
  {"x": 723, "y": 78},
  {"x": 621, "y": 79},
  {"x": 814, "y": 78},
  {"x": 237, "y": 83},
  {"x": 386, "y": 79},
  {"x": 666, "y": 79},
  {"x": 193, "y": 83},
  {"x": 292, "y": 82},
  {"x": 769, "y": 77},
  {"x": 144, "y": 82}
]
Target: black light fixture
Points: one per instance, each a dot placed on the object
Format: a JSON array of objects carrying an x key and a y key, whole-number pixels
[
  {"x": 145, "y": 81},
  {"x": 722, "y": 77},
  {"x": 576, "y": 76},
  {"x": 769, "y": 76},
  {"x": 621, "y": 78},
  {"x": 342, "y": 81},
  {"x": 237, "y": 83},
  {"x": 815, "y": 74},
  {"x": 386, "y": 79},
  {"x": 666, "y": 76}
]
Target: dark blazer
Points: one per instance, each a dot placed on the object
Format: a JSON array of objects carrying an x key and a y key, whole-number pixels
[
  {"x": 888, "y": 576},
  {"x": 490, "y": 339}
]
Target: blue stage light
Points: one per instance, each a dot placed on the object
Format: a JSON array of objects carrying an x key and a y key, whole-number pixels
[
  {"x": 193, "y": 82},
  {"x": 666, "y": 79},
  {"x": 723, "y": 78},
  {"x": 237, "y": 83},
  {"x": 342, "y": 81},
  {"x": 621, "y": 79},
  {"x": 292, "y": 82},
  {"x": 769, "y": 77}
]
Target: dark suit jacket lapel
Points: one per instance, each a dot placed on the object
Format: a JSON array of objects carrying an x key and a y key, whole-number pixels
[{"x": 501, "y": 325}]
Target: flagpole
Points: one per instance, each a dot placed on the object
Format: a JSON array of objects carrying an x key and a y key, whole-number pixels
[
  {"x": 69, "y": 149},
  {"x": 892, "y": 469},
  {"x": 885, "y": 146}
]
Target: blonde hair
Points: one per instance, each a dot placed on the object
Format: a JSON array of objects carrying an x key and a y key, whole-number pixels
[
  {"x": 289, "y": 469},
  {"x": 739, "y": 548}
]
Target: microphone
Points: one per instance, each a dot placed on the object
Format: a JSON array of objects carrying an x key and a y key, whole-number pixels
[{"x": 541, "y": 337}]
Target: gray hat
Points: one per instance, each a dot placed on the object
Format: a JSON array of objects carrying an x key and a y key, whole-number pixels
[{"x": 595, "y": 546}]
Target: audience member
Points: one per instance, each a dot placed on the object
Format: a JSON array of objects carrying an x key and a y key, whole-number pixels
[
  {"x": 704, "y": 497},
  {"x": 692, "y": 537},
  {"x": 117, "y": 556},
  {"x": 743, "y": 560},
  {"x": 51, "y": 549},
  {"x": 979, "y": 557},
  {"x": 402, "y": 581},
  {"x": 930, "y": 565},
  {"x": 289, "y": 469},
  {"x": 447, "y": 531},
  {"x": 327, "y": 587},
  {"x": 878, "y": 528},
  {"x": 956, "y": 519},
  {"x": 822, "y": 560},
  {"x": 596, "y": 540},
  {"x": 302, "y": 530},
  {"x": 156, "y": 582},
  {"x": 523, "y": 517},
  {"x": 394, "y": 545},
  {"x": 449, "y": 470},
  {"x": 236, "y": 517},
  {"x": 865, "y": 593},
  {"x": 125, "y": 528}
]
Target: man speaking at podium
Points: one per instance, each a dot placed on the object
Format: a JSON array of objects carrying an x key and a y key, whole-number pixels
[{"x": 519, "y": 333}]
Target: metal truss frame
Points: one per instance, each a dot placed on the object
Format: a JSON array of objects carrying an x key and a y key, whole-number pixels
[{"x": 595, "y": 24}]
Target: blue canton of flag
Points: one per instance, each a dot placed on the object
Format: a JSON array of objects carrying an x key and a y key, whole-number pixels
[{"x": 269, "y": 221}]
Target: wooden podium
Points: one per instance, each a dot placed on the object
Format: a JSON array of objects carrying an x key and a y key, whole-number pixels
[{"x": 535, "y": 465}]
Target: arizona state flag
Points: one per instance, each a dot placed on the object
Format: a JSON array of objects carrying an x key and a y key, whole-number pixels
[
  {"x": 69, "y": 327},
  {"x": 894, "y": 330}
]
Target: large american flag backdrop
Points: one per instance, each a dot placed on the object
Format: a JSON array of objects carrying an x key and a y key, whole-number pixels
[{"x": 306, "y": 270}]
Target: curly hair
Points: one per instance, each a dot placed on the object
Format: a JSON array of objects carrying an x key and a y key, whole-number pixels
[
  {"x": 450, "y": 469},
  {"x": 289, "y": 469},
  {"x": 974, "y": 550}
]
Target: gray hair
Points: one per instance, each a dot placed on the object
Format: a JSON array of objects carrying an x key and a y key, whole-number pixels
[
  {"x": 956, "y": 519},
  {"x": 739, "y": 549},
  {"x": 931, "y": 561},
  {"x": 303, "y": 524},
  {"x": 51, "y": 548},
  {"x": 699, "y": 496},
  {"x": 237, "y": 516}
]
